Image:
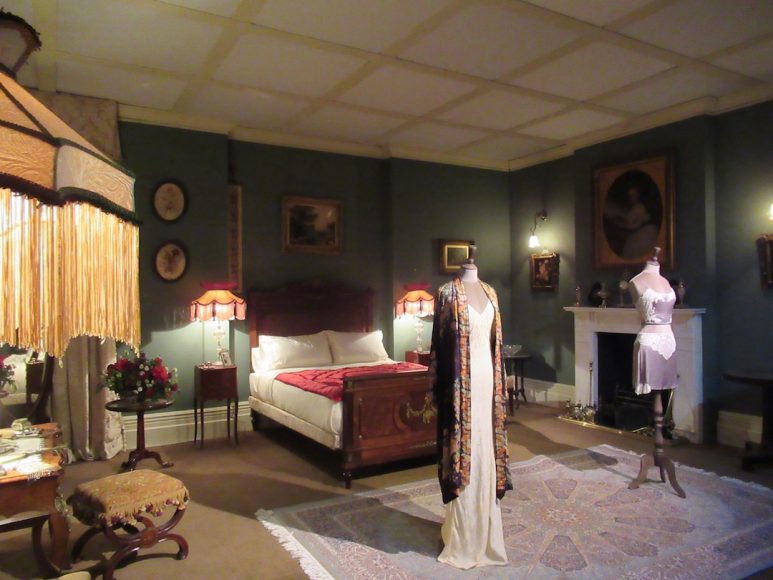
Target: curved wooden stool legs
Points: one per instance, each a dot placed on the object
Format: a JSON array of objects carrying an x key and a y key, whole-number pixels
[{"x": 130, "y": 543}]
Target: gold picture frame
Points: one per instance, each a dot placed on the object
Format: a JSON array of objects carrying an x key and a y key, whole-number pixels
[
  {"x": 765, "y": 246},
  {"x": 544, "y": 271},
  {"x": 311, "y": 225},
  {"x": 634, "y": 212},
  {"x": 454, "y": 253}
]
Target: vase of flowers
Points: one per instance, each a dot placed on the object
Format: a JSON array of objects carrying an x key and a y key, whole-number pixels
[{"x": 141, "y": 379}]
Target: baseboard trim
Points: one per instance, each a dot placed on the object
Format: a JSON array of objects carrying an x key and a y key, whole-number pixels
[
  {"x": 169, "y": 427},
  {"x": 735, "y": 429},
  {"x": 547, "y": 392}
]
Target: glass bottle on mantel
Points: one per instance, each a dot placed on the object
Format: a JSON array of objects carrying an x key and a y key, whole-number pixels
[
  {"x": 577, "y": 294},
  {"x": 681, "y": 291}
]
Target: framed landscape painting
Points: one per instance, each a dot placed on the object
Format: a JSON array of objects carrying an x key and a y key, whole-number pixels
[
  {"x": 454, "y": 253},
  {"x": 634, "y": 212},
  {"x": 311, "y": 225}
]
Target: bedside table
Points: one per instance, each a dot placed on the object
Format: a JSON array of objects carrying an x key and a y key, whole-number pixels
[
  {"x": 414, "y": 356},
  {"x": 215, "y": 382}
]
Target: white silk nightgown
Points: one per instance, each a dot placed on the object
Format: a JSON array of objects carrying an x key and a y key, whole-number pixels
[{"x": 472, "y": 531}]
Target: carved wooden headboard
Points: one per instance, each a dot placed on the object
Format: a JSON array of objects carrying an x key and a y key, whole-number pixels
[{"x": 308, "y": 307}]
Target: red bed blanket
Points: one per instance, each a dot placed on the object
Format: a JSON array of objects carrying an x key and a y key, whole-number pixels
[{"x": 330, "y": 383}]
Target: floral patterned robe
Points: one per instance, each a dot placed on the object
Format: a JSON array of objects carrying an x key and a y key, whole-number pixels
[{"x": 450, "y": 372}]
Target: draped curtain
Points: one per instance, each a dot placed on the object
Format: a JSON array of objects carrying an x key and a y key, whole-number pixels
[{"x": 78, "y": 401}]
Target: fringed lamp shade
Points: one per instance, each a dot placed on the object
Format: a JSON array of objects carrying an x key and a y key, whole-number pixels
[
  {"x": 416, "y": 302},
  {"x": 218, "y": 303},
  {"x": 69, "y": 238}
]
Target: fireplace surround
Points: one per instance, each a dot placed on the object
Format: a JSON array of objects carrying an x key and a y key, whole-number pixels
[{"x": 687, "y": 324}]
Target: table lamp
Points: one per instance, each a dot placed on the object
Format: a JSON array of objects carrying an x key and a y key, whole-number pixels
[
  {"x": 218, "y": 303},
  {"x": 419, "y": 303}
]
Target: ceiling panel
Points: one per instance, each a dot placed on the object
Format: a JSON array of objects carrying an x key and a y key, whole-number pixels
[
  {"x": 27, "y": 75},
  {"x": 673, "y": 89},
  {"x": 598, "y": 12},
  {"x": 22, "y": 8},
  {"x": 487, "y": 41},
  {"x": 133, "y": 34},
  {"x": 506, "y": 147},
  {"x": 272, "y": 63},
  {"x": 697, "y": 27},
  {"x": 500, "y": 109},
  {"x": 592, "y": 70},
  {"x": 129, "y": 87},
  {"x": 571, "y": 124},
  {"x": 402, "y": 90},
  {"x": 755, "y": 61},
  {"x": 338, "y": 122},
  {"x": 435, "y": 136},
  {"x": 245, "y": 107},
  {"x": 372, "y": 25},
  {"x": 220, "y": 7}
]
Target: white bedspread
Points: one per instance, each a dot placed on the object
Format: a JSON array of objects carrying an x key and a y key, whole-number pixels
[{"x": 317, "y": 410}]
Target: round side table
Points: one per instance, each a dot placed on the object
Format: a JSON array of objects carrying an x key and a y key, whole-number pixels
[{"x": 140, "y": 407}]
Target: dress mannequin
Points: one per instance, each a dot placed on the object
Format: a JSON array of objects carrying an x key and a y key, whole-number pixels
[
  {"x": 654, "y": 358},
  {"x": 470, "y": 395}
]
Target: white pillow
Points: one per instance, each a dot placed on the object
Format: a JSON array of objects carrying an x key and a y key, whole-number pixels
[
  {"x": 356, "y": 347},
  {"x": 281, "y": 352},
  {"x": 255, "y": 358}
]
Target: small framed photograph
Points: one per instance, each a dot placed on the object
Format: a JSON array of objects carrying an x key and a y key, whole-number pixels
[
  {"x": 765, "y": 246},
  {"x": 454, "y": 253},
  {"x": 634, "y": 212},
  {"x": 311, "y": 225},
  {"x": 169, "y": 200},
  {"x": 225, "y": 358},
  {"x": 544, "y": 271}
]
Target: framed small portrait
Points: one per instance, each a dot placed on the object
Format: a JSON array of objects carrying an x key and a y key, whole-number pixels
[
  {"x": 170, "y": 201},
  {"x": 311, "y": 225},
  {"x": 634, "y": 212},
  {"x": 171, "y": 261},
  {"x": 225, "y": 357},
  {"x": 765, "y": 247},
  {"x": 454, "y": 253},
  {"x": 544, "y": 271}
]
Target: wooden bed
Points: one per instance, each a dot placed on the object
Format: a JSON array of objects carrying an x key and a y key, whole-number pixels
[{"x": 385, "y": 418}]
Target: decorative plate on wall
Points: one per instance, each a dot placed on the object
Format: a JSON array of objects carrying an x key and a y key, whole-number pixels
[
  {"x": 171, "y": 261},
  {"x": 169, "y": 201}
]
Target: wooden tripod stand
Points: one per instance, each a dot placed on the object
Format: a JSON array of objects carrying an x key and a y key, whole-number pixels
[{"x": 658, "y": 458}]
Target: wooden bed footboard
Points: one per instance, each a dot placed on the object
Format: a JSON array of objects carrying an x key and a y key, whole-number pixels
[{"x": 387, "y": 418}]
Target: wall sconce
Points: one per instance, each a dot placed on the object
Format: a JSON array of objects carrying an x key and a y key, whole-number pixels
[
  {"x": 533, "y": 239},
  {"x": 770, "y": 214}
]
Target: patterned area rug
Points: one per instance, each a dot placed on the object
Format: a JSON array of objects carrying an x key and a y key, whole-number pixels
[{"x": 571, "y": 515}]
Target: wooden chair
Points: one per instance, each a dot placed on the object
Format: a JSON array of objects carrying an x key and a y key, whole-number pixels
[{"x": 118, "y": 502}]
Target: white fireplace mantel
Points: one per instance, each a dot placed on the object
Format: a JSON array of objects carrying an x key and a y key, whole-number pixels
[{"x": 687, "y": 325}]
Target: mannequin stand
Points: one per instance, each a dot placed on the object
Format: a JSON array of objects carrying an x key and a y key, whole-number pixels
[{"x": 658, "y": 458}]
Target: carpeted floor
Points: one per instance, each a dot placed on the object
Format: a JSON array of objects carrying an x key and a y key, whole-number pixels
[
  {"x": 570, "y": 515},
  {"x": 276, "y": 469}
]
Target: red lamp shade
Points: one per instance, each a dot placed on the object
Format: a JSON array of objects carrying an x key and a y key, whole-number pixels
[
  {"x": 218, "y": 303},
  {"x": 416, "y": 302}
]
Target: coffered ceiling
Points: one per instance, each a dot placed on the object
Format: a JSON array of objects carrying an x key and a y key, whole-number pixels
[{"x": 490, "y": 83}]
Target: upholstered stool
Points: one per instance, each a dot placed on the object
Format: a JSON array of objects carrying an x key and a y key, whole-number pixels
[{"x": 118, "y": 502}]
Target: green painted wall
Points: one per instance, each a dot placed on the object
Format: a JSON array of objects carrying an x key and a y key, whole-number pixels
[
  {"x": 744, "y": 152},
  {"x": 199, "y": 162},
  {"x": 430, "y": 202}
]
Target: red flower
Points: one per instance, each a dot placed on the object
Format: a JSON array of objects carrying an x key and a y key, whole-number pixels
[
  {"x": 159, "y": 373},
  {"x": 123, "y": 364}
]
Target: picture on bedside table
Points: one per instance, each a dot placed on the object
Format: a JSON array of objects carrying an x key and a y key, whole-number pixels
[
  {"x": 311, "y": 225},
  {"x": 225, "y": 357},
  {"x": 633, "y": 212},
  {"x": 544, "y": 271}
]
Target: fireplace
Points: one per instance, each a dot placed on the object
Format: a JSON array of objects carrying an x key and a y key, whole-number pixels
[{"x": 603, "y": 350}]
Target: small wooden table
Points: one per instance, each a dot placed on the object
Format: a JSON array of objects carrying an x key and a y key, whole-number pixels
[
  {"x": 514, "y": 364},
  {"x": 419, "y": 358},
  {"x": 215, "y": 382},
  {"x": 140, "y": 407},
  {"x": 39, "y": 493},
  {"x": 763, "y": 452}
]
